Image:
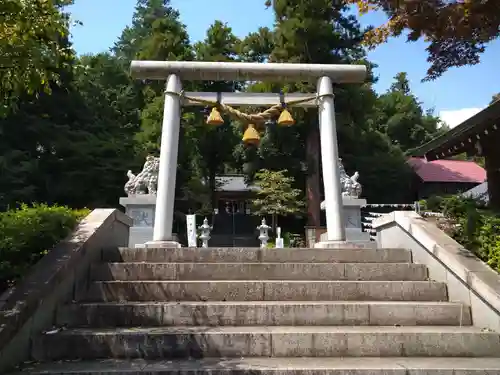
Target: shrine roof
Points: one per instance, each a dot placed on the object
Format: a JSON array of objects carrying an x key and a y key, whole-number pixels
[
  {"x": 234, "y": 183},
  {"x": 448, "y": 170},
  {"x": 463, "y": 137}
]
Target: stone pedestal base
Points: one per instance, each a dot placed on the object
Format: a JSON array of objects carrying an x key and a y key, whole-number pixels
[
  {"x": 345, "y": 245},
  {"x": 139, "y": 236},
  {"x": 141, "y": 208},
  {"x": 355, "y": 237},
  {"x": 162, "y": 245},
  {"x": 352, "y": 213}
]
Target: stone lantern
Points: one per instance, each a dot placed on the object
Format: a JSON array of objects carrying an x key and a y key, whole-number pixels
[
  {"x": 263, "y": 233},
  {"x": 205, "y": 233}
]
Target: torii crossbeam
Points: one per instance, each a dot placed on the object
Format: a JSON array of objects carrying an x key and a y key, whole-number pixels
[{"x": 175, "y": 71}]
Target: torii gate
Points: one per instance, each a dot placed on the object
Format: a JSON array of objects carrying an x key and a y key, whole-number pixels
[{"x": 174, "y": 71}]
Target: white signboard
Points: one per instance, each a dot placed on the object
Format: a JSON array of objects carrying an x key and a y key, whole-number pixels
[
  {"x": 191, "y": 230},
  {"x": 279, "y": 240}
]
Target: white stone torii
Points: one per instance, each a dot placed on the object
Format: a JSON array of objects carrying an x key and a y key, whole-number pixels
[{"x": 174, "y": 71}]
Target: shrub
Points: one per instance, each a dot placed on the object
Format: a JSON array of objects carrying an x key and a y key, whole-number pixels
[
  {"x": 432, "y": 204},
  {"x": 457, "y": 207},
  {"x": 488, "y": 236},
  {"x": 470, "y": 224},
  {"x": 28, "y": 233}
]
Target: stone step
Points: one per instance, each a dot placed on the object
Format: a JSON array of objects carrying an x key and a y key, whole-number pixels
[
  {"x": 270, "y": 313},
  {"x": 266, "y": 290},
  {"x": 284, "y": 341},
  {"x": 235, "y": 255},
  {"x": 276, "y": 366},
  {"x": 258, "y": 271}
]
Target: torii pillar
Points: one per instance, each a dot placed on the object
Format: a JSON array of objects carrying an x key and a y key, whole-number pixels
[{"x": 175, "y": 71}]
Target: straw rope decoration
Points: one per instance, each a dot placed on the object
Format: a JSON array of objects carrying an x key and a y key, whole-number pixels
[{"x": 251, "y": 135}]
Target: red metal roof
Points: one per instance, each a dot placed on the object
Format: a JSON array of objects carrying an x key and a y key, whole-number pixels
[{"x": 448, "y": 170}]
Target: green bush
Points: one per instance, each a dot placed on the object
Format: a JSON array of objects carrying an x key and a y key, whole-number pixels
[
  {"x": 472, "y": 225},
  {"x": 456, "y": 206},
  {"x": 28, "y": 233},
  {"x": 432, "y": 204},
  {"x": 488, "y": 237}
]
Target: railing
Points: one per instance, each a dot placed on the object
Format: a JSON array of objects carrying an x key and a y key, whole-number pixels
[{"x": 368, "y": 213}]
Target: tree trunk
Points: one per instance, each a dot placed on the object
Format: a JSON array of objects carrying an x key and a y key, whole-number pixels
[{"x": 313, "y": 181}]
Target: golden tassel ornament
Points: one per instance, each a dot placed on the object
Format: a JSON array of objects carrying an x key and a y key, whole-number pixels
[
  {"x": 285, "y": 118},
  {"x": 251, "y": 136},
  {"x": 215, "y": 117}
]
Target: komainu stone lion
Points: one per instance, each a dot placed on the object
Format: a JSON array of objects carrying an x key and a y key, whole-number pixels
[
  {"x": 350, "y": 185},
  {"x": 146, "y": 182}
]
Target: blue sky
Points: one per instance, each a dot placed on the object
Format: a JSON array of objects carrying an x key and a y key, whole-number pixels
[{"x": 457, "y": 95}]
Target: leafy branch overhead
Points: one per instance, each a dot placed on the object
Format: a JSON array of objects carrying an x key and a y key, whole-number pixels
[
  {"x": 32, "y": 46},
  {"x": 457, "y": 30}
]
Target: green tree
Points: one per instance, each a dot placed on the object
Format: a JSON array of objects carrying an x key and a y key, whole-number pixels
[
  {"x": 33, "y": 47},
  {"x": 108, "y": 121},
  {"x": 215, "y": 144},
  {"x": 276, "y": 196},
  {"x": 400, "y": 115},
  {"x": 156, "y": 33},
  {"x": 318, "y": 31},
  {"x": 401, "y": 84},
  {"x": 257, "y": 46},
  {"x": 72, "y": 145},
  {"x": 35, "y": 122}
]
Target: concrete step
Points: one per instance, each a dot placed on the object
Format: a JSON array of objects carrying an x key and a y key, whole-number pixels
[
  {"x": 270, "y": 313},
  {"x": 276, "y": 366},
  {"x": 283, "y": 341},
  {"x": 235, "y": 255},
  {"x": 266, "y": 290},
  {"x": 258, "y": 271}
]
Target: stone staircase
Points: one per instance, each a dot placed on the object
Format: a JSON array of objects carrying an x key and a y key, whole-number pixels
[{"x": 273, "y": 311}]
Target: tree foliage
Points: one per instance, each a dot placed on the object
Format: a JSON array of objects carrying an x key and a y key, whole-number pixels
[
  {"x": 276, "y": 195},
  {"x": 215, "y": 144},
  {"x": 33, "y": 47},
  {"x": 458, "y": 31},
  {"x": 401, "y": 117},
  {"x": 73, "y": 125},
  {"x": 310, "y": 31}
]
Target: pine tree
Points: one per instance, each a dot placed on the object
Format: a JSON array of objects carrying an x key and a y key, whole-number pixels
[
  {"x": 215, "y": 145},
  {"x": 314, "y": 31},
  {"x": 402, "y": 118},
  {"x": 156, "y": 33}
]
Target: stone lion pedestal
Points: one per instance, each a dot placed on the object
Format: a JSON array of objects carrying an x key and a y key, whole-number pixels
[
  {"x": 140, "y": 203},
  {"x": 355, "y": 237},
  {"x": 141, "y": 208},
  {"x": 353, "y": 227}
]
